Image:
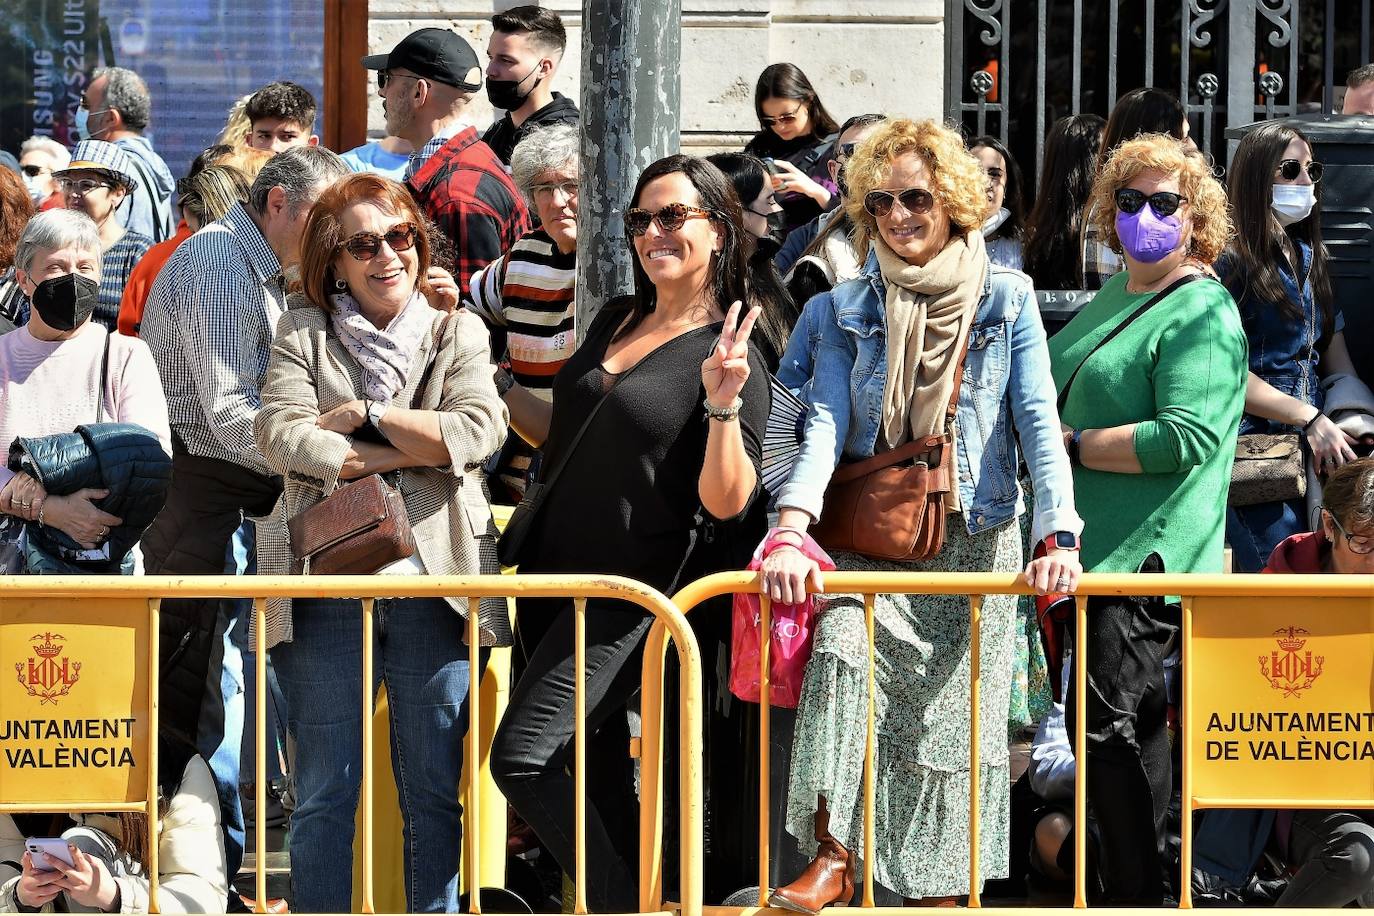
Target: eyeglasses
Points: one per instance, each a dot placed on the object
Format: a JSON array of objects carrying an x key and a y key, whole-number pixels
[
  {"x": 82, "y": 186},
  {"x": 846, "y": 150},
  {"x": 784, "y": 119},
  {"x": 916, "y": 201},
  {"x": 1289, "y": 169},
  {"x": 569, "y": 189},
  {"x": 1358, "y": 544},
  {"x": 1164, "y": 203},
  {"x": 670, "y": 219},
  {"x": 386, "y": 76},
  {"x": 367, "y": 245},
  {"x": 33, "y": 171}
]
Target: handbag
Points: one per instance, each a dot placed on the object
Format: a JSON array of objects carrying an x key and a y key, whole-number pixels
[
  {"x": 1268, "y": 468},
  {"x": 362, "y": 526},
  {"x": 510, "y": 546},
  {"x": 892, "y": 506}
]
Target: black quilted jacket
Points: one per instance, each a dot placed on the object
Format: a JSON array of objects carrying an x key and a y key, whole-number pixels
[{"x": 124, "y": 458}]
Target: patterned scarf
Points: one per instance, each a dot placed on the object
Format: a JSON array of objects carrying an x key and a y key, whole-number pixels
[{"x": 386, "y": 355}]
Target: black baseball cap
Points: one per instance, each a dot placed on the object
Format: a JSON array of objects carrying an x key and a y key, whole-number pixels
[{"x": 436, "y": 54}]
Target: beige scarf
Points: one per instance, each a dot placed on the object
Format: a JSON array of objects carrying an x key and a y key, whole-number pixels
[{"x": 929, "y": 312}]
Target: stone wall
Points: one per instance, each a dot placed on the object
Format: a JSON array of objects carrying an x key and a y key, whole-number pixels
[{"x": 862, "y": 55}]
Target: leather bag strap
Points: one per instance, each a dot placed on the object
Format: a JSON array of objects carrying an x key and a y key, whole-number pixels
[{"x": 1148, "y": 304}]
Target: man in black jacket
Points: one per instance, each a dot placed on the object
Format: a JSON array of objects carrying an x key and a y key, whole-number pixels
[{"x": 526, "y": 47}]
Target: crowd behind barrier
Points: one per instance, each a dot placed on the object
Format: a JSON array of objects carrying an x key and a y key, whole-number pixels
[{"x": 982, "y": 439}]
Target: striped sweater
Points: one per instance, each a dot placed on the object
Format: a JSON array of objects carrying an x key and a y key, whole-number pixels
[{"x": 528, "y": 292}]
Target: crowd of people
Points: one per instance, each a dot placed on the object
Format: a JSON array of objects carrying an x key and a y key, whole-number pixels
[{"x": 291, "y": 361}]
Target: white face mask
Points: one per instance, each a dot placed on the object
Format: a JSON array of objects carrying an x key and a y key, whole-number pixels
[
  {"x": 36, "y": 193},
  {"x": 1293, "y": 202},
  {"x": 994, "y": 222}
]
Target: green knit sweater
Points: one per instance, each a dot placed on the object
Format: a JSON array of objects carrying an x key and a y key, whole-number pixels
[{"x": 1179, "y": 372}]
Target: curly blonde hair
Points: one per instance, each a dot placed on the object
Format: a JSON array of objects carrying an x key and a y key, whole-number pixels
[
  {"x": 1211, "y": 216},
  {"x": 958, "y": 182}
]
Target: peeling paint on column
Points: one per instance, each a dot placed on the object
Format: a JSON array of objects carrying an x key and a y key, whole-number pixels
[{"x": 631, "y": 103}]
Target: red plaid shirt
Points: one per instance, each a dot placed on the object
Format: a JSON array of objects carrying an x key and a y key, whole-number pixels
[{"x": 465, "y": 190}]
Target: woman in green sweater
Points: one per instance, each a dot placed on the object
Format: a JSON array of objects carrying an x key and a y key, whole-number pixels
[{"x": 1152, "y": 388}]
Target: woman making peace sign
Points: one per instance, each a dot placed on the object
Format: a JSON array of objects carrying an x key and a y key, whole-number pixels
[{"x": 669, "y": 440}]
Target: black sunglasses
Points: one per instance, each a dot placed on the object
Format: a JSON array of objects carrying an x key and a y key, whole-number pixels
[
  {"x": 917, "y": 201},
  {"x": 1164, "y": 203},
  {"x": 33, "y": 171},
  {"x": 670, "y": 219},
  {"x": 846, "y": 150},
  {"x": 386, "y": 76},
  {"x": 366, "y": 245},
  {"x": 1289, "y": 169}
]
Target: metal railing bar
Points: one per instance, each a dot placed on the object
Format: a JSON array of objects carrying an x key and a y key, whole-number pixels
[
  {"x": 260, "y": 755},
  {"x": 1185, "y": 899},
  {"x": 765, "y": 707},
  {"x": 870, "y": 755},
  {"x": 975, "y": 614},
  {"x": 580, "y": 755},
  {"x": 472, "y": 830},
  {"x": 151, "y": 809},
  {"x": 368, "y": 905},
  {"x": 1080, "y": 741}
]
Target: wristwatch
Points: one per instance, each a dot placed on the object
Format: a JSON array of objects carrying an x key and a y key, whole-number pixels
[
  {"x": 1062, "y": 540},
  {"x": 375, "y": 411},
  {"x": 504, "y": 382},
  {"x": 1075, "y": 448}
]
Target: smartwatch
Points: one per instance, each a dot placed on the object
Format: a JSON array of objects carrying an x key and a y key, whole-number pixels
[{"x": 1062, "y": 540}]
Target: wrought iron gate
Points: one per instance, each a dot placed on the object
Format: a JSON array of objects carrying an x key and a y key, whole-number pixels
[{"x": 1013, "y": 66}]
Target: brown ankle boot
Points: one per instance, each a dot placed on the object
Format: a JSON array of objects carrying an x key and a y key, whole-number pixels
[{"x": 827, "y": 881}]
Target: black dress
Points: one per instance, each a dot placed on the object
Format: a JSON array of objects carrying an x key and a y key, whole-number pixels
[{"x": 625, "y": 504}]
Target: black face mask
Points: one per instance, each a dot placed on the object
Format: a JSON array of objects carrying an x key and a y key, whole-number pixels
[
  {"x": 506, "y": 94},
  {"x": 65, "y": 302},
  {"x": 841, "y": 183}
]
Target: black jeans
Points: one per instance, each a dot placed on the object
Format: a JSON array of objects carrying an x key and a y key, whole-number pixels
[
  {"x": 531, "y": 757},
  {"x": 1129, "y": 767}
]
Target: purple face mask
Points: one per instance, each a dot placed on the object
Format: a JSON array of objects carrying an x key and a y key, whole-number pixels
[{"x": 1146, "y": 237}]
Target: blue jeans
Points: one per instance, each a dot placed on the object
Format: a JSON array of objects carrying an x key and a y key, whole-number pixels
[
  {"x": 419, "y": 653},
  {"x": 1254, "y": 531},
  {"x": 220, "y": 734}
]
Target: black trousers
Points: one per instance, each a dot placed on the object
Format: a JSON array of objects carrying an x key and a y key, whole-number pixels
[
  {"x": 531, "y": 757},
  {"x": 1129, "y": 766}
]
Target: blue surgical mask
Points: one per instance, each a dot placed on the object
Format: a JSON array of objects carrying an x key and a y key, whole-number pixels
[{"x": 83, "y": 123}]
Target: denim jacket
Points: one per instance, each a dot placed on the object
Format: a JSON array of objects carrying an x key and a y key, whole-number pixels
[
  {"x": 1284, "y": 351},
  {"x": 837, "y": 362}
]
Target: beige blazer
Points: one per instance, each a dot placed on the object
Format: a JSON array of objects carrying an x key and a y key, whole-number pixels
[{"x": 310, "y": 373}]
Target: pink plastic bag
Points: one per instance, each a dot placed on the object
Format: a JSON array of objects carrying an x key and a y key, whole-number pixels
[{"x": 790, "y": 646}]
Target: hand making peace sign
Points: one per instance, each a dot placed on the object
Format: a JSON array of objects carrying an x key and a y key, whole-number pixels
[{"x": 725, "y": 371}]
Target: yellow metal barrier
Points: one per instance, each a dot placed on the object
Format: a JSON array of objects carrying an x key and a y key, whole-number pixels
[
  {"x": 29, "y": 602},
  {"x": 1224, "y": 618}
]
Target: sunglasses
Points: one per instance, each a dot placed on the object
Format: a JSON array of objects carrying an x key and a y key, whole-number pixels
[
  {"x": 1289, "y": 169},
  {"x": 789, "y": 118},
  {"x": 33, "y": 171},
  {"x": 670, "y": 219},
  {"x": 82, "y": 186},
  {"x": 916, "y": 201},
  {"x": 846, "y": 150},
  {"x": 1164, "y": 203},
  {"x": 386, "y": 76},
  {"x": 367, "y": 245}
]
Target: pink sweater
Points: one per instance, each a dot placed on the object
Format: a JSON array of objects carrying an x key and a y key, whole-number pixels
[{"x": 49, "y": 387}]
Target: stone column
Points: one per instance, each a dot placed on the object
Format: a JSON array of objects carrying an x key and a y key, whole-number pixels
[{"x": 630, "y": 102}]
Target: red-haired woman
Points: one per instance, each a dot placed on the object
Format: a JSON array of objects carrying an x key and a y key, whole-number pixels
[{"x": 346, "y": 396}]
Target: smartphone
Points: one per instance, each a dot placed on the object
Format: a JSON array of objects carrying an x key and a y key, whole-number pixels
[
  {"x": 54, "y": 846},
  {"x": 774, "y": 173}
]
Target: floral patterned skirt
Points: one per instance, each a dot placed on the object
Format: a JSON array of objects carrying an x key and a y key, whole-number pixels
[{"x": 922, "y": 703}]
